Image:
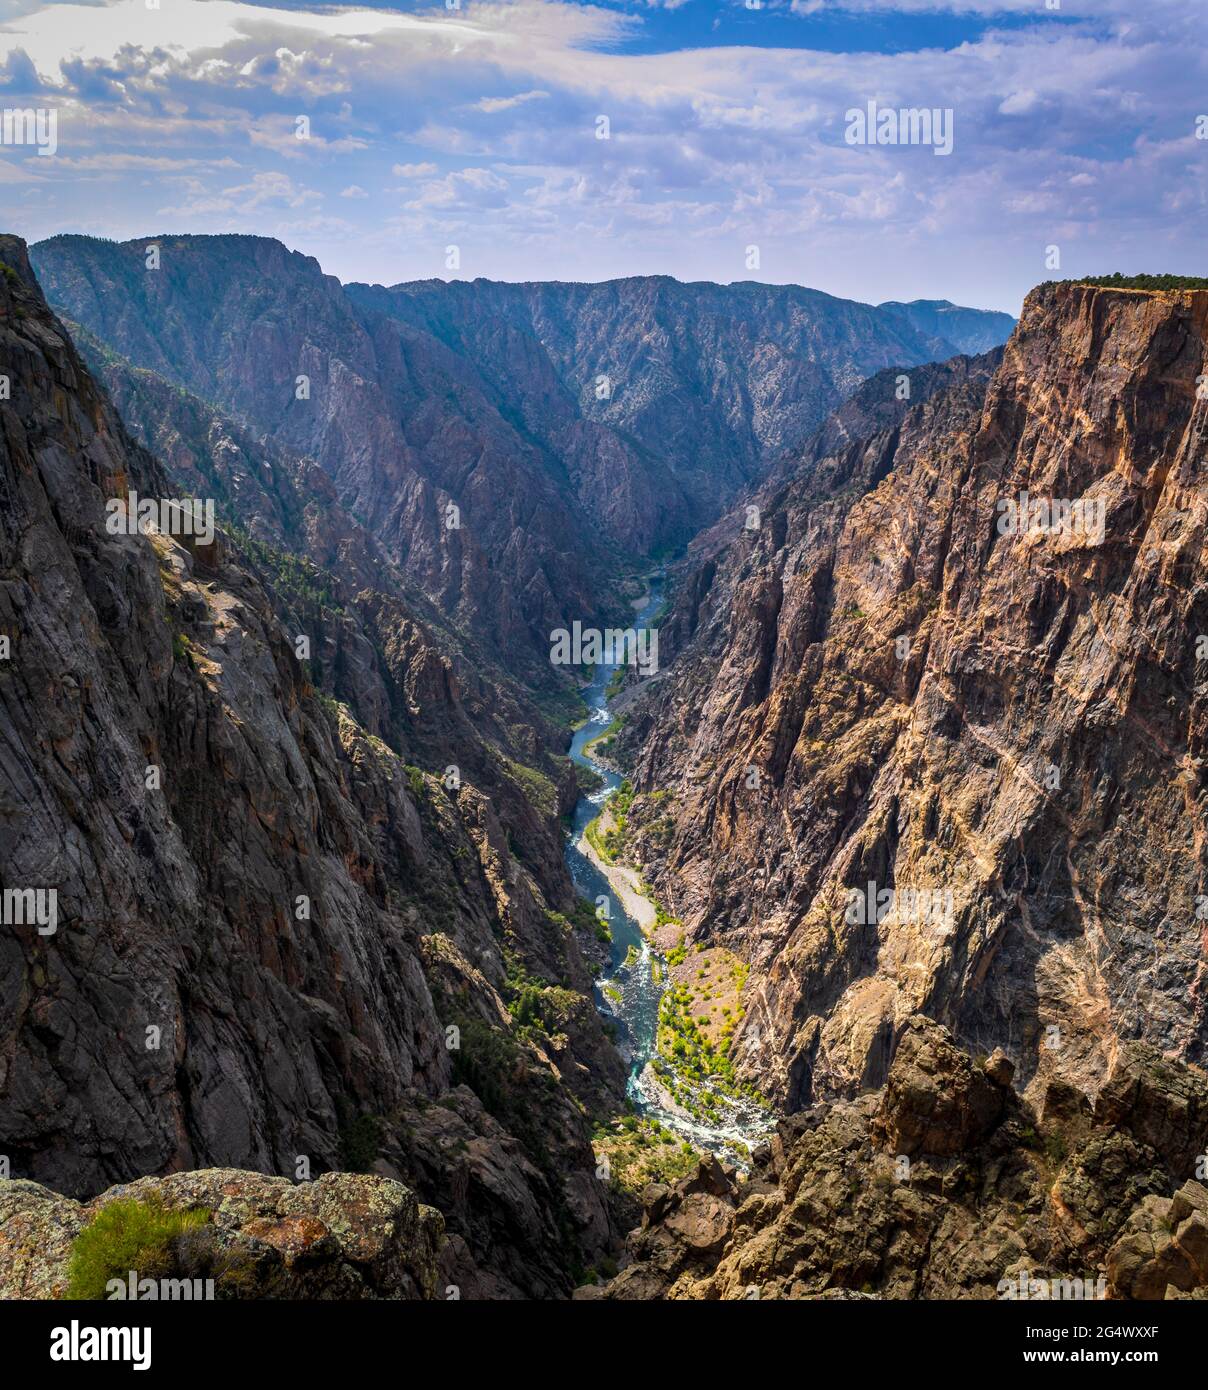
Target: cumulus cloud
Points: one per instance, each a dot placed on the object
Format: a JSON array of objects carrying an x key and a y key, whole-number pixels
[{"x": 483, "y": 125}]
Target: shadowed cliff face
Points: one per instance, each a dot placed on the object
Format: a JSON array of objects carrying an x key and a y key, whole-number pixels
[
  {"x": 409, "y": 674},
  {"x": 662, "y": 400},
  {"x": 887, "y": 683},
  {"x": 264, "y": 922},
  {"x": 400, "y": 425}
]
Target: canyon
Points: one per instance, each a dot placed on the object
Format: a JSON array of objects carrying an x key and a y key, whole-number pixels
[{"x": 330, "y": 962}]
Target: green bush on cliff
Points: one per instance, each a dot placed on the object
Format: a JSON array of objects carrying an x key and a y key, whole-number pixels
[
  {"x": 360, "y": 1144},
  {"x": 585, "y": 919},
  {"x": 540, "y": 792},
  {"x": 1116, "y": 281},
  {"x": 127, "y": 1235},
  {"x": 486, "y": 1061}
]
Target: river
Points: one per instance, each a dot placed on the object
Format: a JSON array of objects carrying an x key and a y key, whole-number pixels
[{"x": 630, "y": 991}]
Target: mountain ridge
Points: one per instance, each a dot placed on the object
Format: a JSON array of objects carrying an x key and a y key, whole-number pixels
[{"x": 584, "y": 396}]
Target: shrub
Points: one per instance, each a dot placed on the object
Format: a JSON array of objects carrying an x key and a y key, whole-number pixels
[
  {"x": 1117, "y": 281},
  {"x": 360, "y": 1142},
  {"x": 127, "y": 1235}
]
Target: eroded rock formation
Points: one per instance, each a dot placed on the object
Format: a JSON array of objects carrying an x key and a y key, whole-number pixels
[
  {"x": 1001, "y": 730},
  {"x": 946, "y": 1184}
]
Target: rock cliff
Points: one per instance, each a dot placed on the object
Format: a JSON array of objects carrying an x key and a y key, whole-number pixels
[
  {"x": 996, "y": 723},
  {"x": 575, "y": 428},
  {"x": 270, "y": 942}
]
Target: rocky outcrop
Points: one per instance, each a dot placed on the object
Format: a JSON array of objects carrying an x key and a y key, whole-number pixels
[
  {"x": 343, "y": 1236},
  {"x": 945, "y": 1184},
  {"x": 998, "y": 727},
  {"x": 1162, "y": 1251}
]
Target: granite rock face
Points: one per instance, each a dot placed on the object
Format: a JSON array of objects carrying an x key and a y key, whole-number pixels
[
  {"x": 400, "y": 426},
  {"x": 917, "y": 758},
  {"x": 265, "y": 922},
  {"x": 662, "y": 400},
  {"x": 945, "y": 1184}
]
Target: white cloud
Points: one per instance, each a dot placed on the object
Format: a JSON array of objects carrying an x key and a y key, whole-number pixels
[
  {"x": 492, "y": 104},
  {"x": 1087, "y": 124}
]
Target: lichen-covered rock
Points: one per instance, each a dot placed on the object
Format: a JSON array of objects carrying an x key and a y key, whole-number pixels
[{"x": 344, "y": 1235}]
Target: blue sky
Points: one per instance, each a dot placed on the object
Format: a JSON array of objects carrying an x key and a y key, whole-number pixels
[{"x": 475, "y": 125}]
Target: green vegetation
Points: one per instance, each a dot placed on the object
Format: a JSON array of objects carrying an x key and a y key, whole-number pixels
[
  {"x": 360, "y": 1144},
  {"x": 1117, "y": 281},
  {"x": 126, "y": 1235},
  {"x": 293, "y": 578},
  {"x": 603, "y": 741},
  {"x": 540, "y": 1010},
  {"x": 566, "y": 708},
  {"x": 662, "y": 918},
  {"x": 529, "y": 1008},
  {"x": 587, "y": 779},
  {"x": 617, "y": 808},
  {"x": 698, "y": 1074},
  {"x": 486, "y": 1060},
  {"x": 1056, "y": 1149},
  {"x": 537, "y": 787},
  {"x": 585, "y": 919},
  {"x": 640, "y": 1150},
  {"x": 606, "y": 833},
  {"x": 595, "y": 839}
]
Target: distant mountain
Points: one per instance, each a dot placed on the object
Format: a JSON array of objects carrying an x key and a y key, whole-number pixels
[
  {"x": 575, "y": 429},
  {"x": 660, "y": 399},
  {"x": 417, "y": 454},
  {"x": 969, "y": 331}
]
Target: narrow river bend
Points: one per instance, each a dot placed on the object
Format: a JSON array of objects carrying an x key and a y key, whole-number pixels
[{"x": 640, "y": 984}]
